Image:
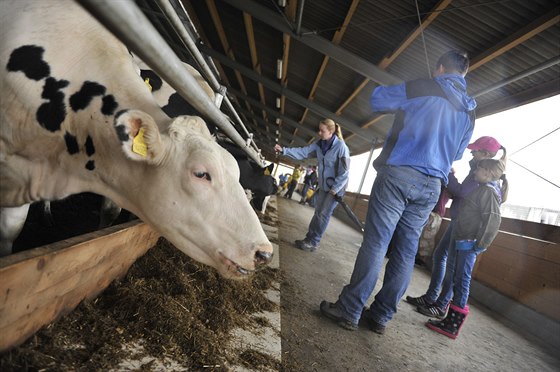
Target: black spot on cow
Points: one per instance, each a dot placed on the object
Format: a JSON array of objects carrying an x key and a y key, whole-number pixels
[
  {"x": 81, "y": 99},
  {"x": 176, "y": 106},
  {"x": 51, "y": 114},
  {"x": 90, "y": 165},
  {"x": 71, "y": 143},
  {"x": 121, "y": 133},
  {"x": 109, "y": 105},
  {"x": 90, "y": 148},
  {"x": 155, "y": 81},
  {"x": 29, "y": 60}
]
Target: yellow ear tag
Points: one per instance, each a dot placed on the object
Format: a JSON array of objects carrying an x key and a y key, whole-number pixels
[
  {"x": 147, "y": 81},
  {"x": 139, "y": 145}
]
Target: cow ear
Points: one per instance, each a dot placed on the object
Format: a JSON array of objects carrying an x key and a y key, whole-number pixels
[
  {"x": 270, "y": 168},
  {"x": 139, "y": 136},
  {"x": 183, "y": 126}
]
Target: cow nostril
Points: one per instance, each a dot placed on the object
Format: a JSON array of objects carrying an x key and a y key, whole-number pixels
[{"x": 263, "y": 258}]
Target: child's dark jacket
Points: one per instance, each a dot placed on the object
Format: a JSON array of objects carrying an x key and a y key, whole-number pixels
[{"x": 479, "y": 217}]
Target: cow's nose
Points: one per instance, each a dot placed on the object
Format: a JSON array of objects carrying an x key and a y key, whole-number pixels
[{"x": 263, "y": 258}]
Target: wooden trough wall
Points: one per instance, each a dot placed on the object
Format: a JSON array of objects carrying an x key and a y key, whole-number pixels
[{"x": 40, "y": 285}]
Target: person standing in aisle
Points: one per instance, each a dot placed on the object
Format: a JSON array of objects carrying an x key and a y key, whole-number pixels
[
  {"x": 298, "y": 171},
  {"x": 434, "y": 121},
  {"x": 334, "y": 166},
  {"x": 308, "y": 182},
  {"x": 483, "y": 148},
  {"x": 476, "y": 227}
]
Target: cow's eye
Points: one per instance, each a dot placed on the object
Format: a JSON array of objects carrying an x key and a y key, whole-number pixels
[{"x": 204, "y": 175}]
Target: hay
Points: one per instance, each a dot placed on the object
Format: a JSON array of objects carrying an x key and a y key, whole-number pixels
[{"x": 169, "y": 306}]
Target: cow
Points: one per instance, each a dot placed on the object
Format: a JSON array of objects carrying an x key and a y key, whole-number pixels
[
  {"x": 76, "y": 118},
  {"x": 254, "y": 178}
]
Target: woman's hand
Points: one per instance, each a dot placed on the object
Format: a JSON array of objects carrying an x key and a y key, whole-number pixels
[
  {"x": 332, "y": 192},
  {"x": 278, "y": 148}
]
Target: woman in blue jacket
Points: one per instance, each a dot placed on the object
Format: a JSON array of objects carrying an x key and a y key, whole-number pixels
[{"x": 333, "y": 158}]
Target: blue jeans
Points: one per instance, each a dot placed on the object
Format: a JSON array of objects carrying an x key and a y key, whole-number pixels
[
  {"x": 457, "y": 282},
  {"x": 324, "y": 208},
  {"x": 399, "y": 206},
  {"x": 304, "y": 192},
  {"x": 439, "y": 259}
]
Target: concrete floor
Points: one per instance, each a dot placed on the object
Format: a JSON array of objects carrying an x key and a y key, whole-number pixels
[{"x": 312, "y": 343}]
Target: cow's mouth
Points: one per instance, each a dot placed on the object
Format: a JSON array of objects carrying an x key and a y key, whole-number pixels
[{"x": 236, "y": 269}]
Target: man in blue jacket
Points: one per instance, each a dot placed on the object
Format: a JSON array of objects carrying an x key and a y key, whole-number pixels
[{"x": 434, "y": 121}]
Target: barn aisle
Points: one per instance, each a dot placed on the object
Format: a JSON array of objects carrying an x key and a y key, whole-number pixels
[{"x": 313, "y": 343}]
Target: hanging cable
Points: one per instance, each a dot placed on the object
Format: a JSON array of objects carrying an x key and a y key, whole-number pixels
[
  {"x": 530, "y": 171},
  {"x": 537, "y": 140},
  {"x": 449, "y": 9},
  {"x": 527, "y": 169},
  {"x": 423, "y": 40}
]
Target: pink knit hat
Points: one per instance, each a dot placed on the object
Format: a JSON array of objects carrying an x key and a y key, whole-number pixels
[{"x": 485, "y": 143}]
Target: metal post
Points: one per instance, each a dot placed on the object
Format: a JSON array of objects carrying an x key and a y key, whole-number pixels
[{"x": 365, "y": 171}]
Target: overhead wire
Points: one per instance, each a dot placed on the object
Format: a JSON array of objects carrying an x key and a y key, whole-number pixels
[
  {"x": 448, "y": 9},
  {"x": 527, "y": 169},
  {"x": 423, "y": 39},
  {"x": 537, "y": 140}
]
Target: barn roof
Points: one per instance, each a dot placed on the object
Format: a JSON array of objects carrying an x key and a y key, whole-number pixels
[{"x": 333, "y": 53}]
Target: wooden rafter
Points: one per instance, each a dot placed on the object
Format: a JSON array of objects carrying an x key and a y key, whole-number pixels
[
  {"x": 522, "y": 35},
  {"x": 248, "y": 20},
  {"x": 335, "y": 40},
  {"x": 225, "y": 45}
]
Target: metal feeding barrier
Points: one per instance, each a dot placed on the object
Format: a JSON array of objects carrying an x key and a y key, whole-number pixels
[{"x": 129, "y": 24}]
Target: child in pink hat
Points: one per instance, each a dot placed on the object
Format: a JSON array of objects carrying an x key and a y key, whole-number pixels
[{"x": 485, "y": 147}]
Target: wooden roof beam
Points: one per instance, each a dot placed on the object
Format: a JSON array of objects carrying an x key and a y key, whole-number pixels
[
  {"x": 248, "y": 20},
  {"x": 400, "y": 49},
  {"x": 524, "y": 34}
]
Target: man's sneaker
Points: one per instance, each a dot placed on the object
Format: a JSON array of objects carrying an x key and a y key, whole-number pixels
[
  {"x": 432, "y": 311},
  {"x": 305, "y": 245},
  {"x": 419, "y": 301},
  {"x": 370, "y": 323},
  {"x": 332, "y": 312}
]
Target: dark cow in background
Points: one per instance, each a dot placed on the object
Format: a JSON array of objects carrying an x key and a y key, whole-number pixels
[
  {"x": 252, "y": 176},
  {"x": 75, "y": 117}
]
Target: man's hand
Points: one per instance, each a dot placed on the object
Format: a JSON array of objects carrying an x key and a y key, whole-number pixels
[
  {"x": 332, "y": 192},
  {"x": 278, "y": 148}
]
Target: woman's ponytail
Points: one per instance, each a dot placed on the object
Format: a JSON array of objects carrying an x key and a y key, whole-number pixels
[
  {"x": 505, "y": 184},
  {"x": 338, "y": 132}
]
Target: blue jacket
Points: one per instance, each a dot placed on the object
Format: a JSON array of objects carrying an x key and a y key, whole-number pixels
[
  {"x": 434, "y": 121},
  {"x": 335, "y": 164}
]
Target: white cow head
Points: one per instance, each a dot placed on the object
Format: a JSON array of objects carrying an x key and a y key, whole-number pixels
[{"x": 199, "y": 204}]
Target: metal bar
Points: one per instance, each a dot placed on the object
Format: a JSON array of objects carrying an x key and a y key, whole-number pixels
[
  {"x": 316, "y": 42},
  {"x": 131, "y": 26},
  {"x": 273, "y": 112},
  {"x": 367, "y": 167},
  {"x": 542, "y": 66},
  {"x": 187, "y": 38},
  {"x": 292, "y": 96},
  {"x": 284, "y": 134},
  {"x": 299, "y": 16}
]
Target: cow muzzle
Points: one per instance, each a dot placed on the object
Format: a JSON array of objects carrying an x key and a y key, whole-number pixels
[{"x": 262, "y": 258}]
